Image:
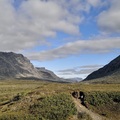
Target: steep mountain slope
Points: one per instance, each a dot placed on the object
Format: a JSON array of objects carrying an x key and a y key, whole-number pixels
[
  {"x": 14, "y": 65},
  {"x": 47, "y": 73},
  {"x": 111, "y": 71}
]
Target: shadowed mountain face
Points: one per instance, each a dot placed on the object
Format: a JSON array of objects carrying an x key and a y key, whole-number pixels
[
  {"x": 110, "y": 70},
  {"x": 14, "y": 65}
]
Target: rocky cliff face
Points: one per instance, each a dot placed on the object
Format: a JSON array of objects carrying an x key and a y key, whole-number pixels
[
  {"x": 14, "y": 65},
  {"x": 111, "y": 69}
]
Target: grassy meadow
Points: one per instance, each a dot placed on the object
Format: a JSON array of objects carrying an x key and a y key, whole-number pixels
[{"x": 39, "y": 100}]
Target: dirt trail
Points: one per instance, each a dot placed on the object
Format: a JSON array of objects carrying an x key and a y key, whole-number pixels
[{"x": 81, "y": 108}]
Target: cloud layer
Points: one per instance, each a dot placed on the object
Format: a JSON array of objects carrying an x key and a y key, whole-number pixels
[
  {"x": 78, "y": 47},
  {"x": 28, "y": 25},
  {"x": 79, "y": 70}
]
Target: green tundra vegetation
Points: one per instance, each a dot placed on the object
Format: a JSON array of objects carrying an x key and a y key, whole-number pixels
[
  {"x": 105, "y": 103},
  {"x": 39, "y": 100}
]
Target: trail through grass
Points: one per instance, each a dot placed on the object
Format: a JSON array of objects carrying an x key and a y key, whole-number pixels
[{"x": 30, "y": 92}]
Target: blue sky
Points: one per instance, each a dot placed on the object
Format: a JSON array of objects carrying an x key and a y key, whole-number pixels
[{"x": 70, "y": 37}]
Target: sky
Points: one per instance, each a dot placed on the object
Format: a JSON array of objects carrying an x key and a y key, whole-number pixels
[{"x": 70, "y": 37}]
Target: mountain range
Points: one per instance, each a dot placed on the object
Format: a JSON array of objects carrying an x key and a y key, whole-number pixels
[
  {"x": 110, "y": 72},
  {"x": 17, "y": 66}
]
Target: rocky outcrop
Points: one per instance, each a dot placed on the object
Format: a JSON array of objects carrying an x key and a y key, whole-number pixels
[{"x": 14, "y": 65}]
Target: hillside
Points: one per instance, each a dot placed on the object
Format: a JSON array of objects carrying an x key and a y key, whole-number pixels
[
  {"x": 109, "y": 72},
  {"x": 14, "y": 65},
  {"x": 47, "y": 73}
]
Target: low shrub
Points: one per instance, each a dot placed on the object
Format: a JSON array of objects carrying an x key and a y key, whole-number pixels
[
  {"x": 18, "y": 117},
  {"x": 97, "y": 98},
  {"x": 104, "y": 103},
  {"x": 102, "y": 98},
  {"x": 57, "y": 107}
]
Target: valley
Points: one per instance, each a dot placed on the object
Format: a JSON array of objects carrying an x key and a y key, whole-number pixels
[
  {"x": 23, "y": 99},
  {"x": 35, "y": 93}
]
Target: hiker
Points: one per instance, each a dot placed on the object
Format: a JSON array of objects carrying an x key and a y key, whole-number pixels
[{"x": 82, "y": 96}]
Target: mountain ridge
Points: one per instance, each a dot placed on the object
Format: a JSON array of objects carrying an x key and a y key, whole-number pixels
[{"x": 112, "y": 69}]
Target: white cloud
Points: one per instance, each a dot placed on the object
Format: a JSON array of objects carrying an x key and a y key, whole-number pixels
[
  {"x": 79, "y": 70},
  {"x": 32, "y": 22},
  {"x": 47, "y": 16},
  {"x": 35, "y": 20},
  {"x": 89, "y": 66},
  {"x": 109, "y": 20},
  {"x": 78, "y": 47}
]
